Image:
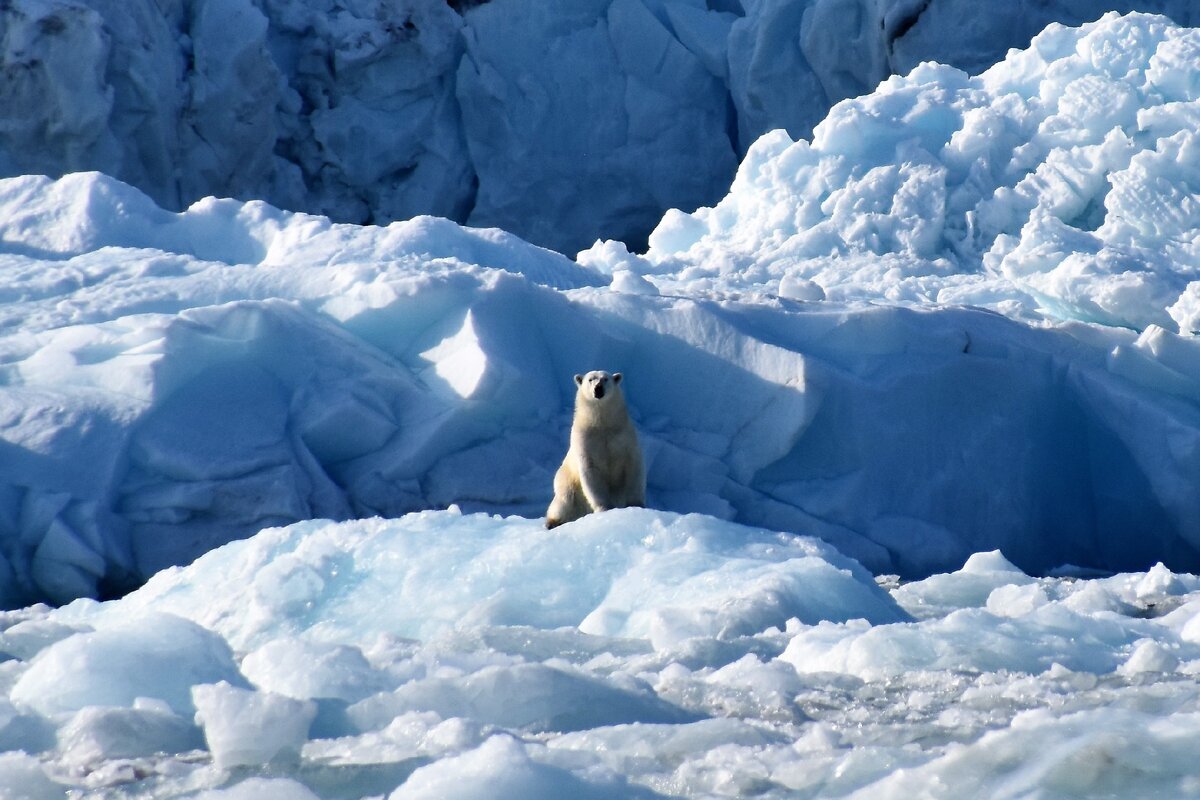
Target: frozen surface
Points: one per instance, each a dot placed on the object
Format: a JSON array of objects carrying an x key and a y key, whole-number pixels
[
  {"x": 445, "y": 654},
  {"x": 562, "y": 122},
  {"x": 951, "y": 343}
]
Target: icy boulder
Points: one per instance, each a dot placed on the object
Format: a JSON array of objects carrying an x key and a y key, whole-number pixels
[
  {"x": 1059, "y": 183},
  {"x": 156, "y": 656},
  {"x": 244, "y": 727}
]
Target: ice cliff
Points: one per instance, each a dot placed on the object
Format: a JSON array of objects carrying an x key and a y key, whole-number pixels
[{"x": 562, "y": 123}]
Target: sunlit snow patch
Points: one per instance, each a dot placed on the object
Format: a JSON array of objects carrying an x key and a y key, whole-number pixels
[{"x": 459, "y": 360}]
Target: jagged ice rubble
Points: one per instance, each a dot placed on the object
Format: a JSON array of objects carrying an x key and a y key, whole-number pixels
[{"x": 920, "y": 405}]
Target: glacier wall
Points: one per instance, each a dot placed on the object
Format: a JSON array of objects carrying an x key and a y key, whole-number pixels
[{"x": 562, "y": 124}]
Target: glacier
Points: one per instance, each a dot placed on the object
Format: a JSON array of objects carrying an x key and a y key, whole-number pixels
[
  {"x": 920, "y": 404},
  {"x": 369, "y": 111}
]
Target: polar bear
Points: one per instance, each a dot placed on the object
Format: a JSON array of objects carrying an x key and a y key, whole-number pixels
[{"x": 603, "y": 468}]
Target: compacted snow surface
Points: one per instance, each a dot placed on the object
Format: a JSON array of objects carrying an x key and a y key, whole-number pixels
[{"x": 950, "y": 343}]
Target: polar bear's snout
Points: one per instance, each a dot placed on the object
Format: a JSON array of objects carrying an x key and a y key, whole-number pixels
[{"x": 597, "y": 383}]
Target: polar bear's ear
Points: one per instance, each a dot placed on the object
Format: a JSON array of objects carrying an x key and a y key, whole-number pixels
[
  {"x": 578, "y": 380},
  {"x": 616, "y": 377}
]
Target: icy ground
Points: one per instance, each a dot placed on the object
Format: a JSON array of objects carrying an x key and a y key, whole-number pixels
[
  {"x": 631, "y": 654},
  {"x": 962, "y": 321}
]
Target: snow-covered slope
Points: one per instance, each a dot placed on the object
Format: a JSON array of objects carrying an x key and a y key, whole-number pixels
[
  {"x": 634, "y": 654},
  {"x": 560, "y": 122}
]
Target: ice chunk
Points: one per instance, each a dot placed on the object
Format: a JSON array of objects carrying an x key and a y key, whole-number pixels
[
  {"x": 1157, "y": 583},
  {"x": 246, "y": 728},
  {"x": 255, "y": 788},
  {"x": 1016, "y": 601},
  {"x": 502, "y": 767},
  {"x": 629, "y": 282},
  {"x": 531, "y": 697},
  {"x": 980, "y": 578},
  {"x": 1149, "y": 656},
  {"x": 795, "y": 287},
  {"x": 152, "y": 655},
  {"x": 994, "y": 561},
  {"x": 308, "y": 671},
  {"x": 97, "y": 734}
]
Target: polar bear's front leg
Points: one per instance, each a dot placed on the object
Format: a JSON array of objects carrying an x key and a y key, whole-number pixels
[
  {"x": 568, "y": 503},
  {"x": 591, "y": 482}
]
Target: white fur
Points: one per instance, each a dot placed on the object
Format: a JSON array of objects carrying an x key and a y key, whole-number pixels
[{"x": 603, "y": 467}]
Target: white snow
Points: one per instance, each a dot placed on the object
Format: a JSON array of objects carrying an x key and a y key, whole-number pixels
[{"x": 919, "y": 400}]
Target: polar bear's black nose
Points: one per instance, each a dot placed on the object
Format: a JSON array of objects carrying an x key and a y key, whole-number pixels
[{"x": 599, "y": 390}]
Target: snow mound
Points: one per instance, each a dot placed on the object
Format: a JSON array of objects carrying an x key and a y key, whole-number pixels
[
  {"x": 628, "y": 573},
  {"x": 1059, "y": 184},
  {"x": 59, "y": 220}
]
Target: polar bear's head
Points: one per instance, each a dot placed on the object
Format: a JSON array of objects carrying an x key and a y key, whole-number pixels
[{"x": 598, "y": 384}]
